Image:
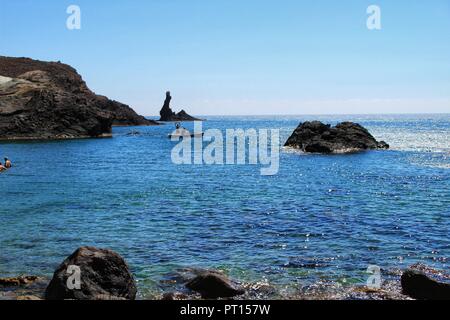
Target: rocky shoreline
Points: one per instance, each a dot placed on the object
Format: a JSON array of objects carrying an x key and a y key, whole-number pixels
[{"x": 104, "y": 275}]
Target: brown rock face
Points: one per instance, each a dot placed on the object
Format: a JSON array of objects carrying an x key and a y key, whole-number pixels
[
  {"x": 50, "y": 100},
  {"x": 104, "y": 275},
  {"x": 316, "y": 137}
]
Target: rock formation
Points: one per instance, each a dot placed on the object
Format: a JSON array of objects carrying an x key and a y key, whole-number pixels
[
  {"x": 50, "y": 100},
  {"x": 104, "y": 275},
  {"x": 418, "y": 285},
  {"x": 316, "y": 137},
  {"x": 168, "y": 115},
  {"x": 212, "y": 285}
]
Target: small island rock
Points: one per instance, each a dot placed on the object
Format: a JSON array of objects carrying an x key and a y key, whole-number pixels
[
  {"x": 317, "y": 137},
  {"x": 168, "y": 115}
]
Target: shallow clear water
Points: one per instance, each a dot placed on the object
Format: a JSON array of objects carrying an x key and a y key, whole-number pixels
[{"x": 320, "y": 218}]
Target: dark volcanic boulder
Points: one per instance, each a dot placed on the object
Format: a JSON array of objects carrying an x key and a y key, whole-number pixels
[
  {"x": 50, "y": 100},
  {"x": 168, "y": 115},
  {"x": 104, "y": 275},
  {"x": 316, "y": 137},
  {"x": 212, "y": 285},
  {"x": 418, "y": 285}
]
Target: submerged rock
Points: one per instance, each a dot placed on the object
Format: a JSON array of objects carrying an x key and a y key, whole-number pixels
[
  {"x": 18, "y": 281},
  {"x": 104, "y": 275},
  {"x": 317, "y": 137},
  {"x": 418, "y": 285},
  {"x": 212, "y": 285},
  {"x": 28, "y": 298},
  {"x": 168, "y": 115},
  {"x": 22, "y": 287},
  {"x": 50, "y": 100},
  {"x": 173, "y": 296}
]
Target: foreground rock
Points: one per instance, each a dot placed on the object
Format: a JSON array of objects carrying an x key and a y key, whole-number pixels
[
  {"x": 418, "y": 285},
  {"x": 316, "y": 137},
  {"x": 50, "y": 100},
  {"x": 168, "y": 115},
  {"x": 213, "y": 285},
  {"x": 104, "y": 276}
]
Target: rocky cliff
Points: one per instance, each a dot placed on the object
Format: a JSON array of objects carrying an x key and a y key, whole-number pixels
[{"x": 50, "y": 100}]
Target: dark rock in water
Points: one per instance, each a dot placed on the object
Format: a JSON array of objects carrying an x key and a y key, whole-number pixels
[
  {"x": 212, "y": 285},
  {"x": 134, "y": 133},
  {"x": 316, "y": 137},
  {"x": 418, "y": 285},
  {"x": 104, "y": 275},
  {"x": 382, "y": 145},
  {"x": 173, "y": 296},
  {"x": 168, "y": 115},
  {"x": 50, "y": 100}
]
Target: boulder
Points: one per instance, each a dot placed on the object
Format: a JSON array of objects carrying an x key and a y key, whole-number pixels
[
  {"x": 168, "y": 115},
  {"x": 104, "y": 275},
  {"x": 418, "y": 285},
  {"x": 317, "y": 137},
  {"x": 213, "y": 285},
  {"x": 50, "y": 100}
]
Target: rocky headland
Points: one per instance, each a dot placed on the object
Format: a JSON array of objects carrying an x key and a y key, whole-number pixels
[
  {"x": 346, "y": 137},
  {"x": 50, "y": 100},
  {"x": 167, "y": 114}
]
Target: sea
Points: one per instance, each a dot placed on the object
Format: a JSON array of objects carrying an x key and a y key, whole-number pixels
[{"x": 320, "y": 219}]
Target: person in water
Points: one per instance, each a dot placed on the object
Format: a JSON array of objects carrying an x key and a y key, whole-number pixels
[
  {"x": 8, "y": 163},
  {"x": 2, "y": 167}
]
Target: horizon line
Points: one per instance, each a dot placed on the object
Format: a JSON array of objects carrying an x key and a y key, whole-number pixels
[{"x": 316, "y": 114}]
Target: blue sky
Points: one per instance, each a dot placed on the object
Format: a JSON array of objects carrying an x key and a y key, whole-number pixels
[{"x": 246, "y": 57}]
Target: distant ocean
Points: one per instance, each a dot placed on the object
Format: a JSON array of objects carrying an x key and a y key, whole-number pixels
[{"x": 321, "y": 219}]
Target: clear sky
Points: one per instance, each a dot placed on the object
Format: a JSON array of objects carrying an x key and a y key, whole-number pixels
[{"x": 245, "y": 56}]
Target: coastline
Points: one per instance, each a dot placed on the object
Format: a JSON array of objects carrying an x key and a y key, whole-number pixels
[
  {"x": 34, "y": 287},
  {"x": 18, "y": 139}
]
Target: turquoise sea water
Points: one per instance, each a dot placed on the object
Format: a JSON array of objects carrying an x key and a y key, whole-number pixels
[{"x": 320, "y": 218}]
